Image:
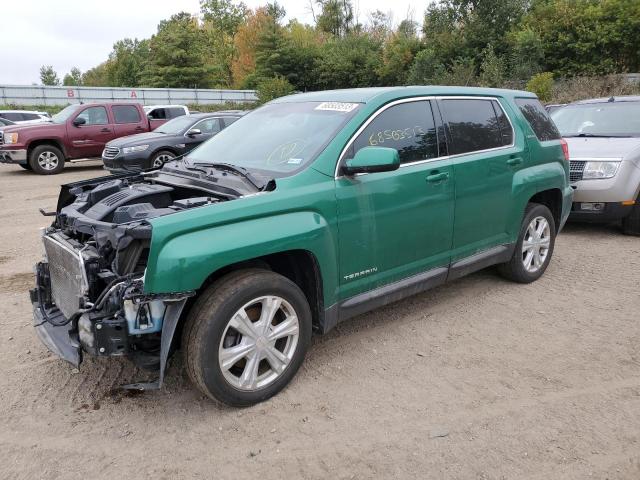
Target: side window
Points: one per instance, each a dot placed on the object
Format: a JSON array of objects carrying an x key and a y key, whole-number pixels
[
  {"x": 176, "y": 112},
  {"x": 125, "y": 114},
  {"x": 538, "y": 118},
  {"x": 208, "y": 126},
  {"x": 229, "y": 120},
  {"x": 30, "y": 116},
  {"x": 158, "y": 114},
  {"x": 506, "y": 130},
  {"x": 473, "y": 125},
  {"x": 407, "y": 127},
  {"x": 13, "y": 116},
  {"x": 95, "y": 116}
]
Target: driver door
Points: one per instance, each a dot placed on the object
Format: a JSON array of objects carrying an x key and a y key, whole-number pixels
[
  {"x": 393, "y": 225},
  {"x": 89, "y": 139}
]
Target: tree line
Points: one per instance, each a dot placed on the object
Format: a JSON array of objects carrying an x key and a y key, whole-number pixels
[{"x": 491, "y": 43}]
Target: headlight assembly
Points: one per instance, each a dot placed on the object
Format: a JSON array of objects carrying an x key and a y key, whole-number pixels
[
  {"x": 600, "y": 170},
  {"x": 10, "y": 138},
  {"x": 137, "y": 148}
]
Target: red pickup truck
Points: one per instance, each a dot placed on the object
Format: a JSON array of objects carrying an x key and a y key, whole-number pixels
[{"x": 78, "y": 131}]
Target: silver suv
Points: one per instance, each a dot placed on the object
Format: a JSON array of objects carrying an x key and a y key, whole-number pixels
[{"x": 603, "y": 135}]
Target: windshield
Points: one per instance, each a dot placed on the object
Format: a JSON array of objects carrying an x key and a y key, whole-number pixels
[
  {"x": 175, "y": 126},
  {"x": 612, "y": 119},
  {"x": 278, "y": 139},
  {"x": 64, "y": 114}
]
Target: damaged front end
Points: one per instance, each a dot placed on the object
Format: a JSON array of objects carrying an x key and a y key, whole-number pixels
[{"x": 89, "y": 296}]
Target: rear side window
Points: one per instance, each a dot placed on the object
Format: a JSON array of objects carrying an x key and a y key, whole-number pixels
[
  {"x": 476, "y": 125},
  {"x": 30, "y": 116},
  {"x": 407, "y": 127},
  {"x": 229, "y": 120},
  {"x": 158, "y": 114},
  {"x": 175, "y": 112},
  {"x": 125, "y": 114},
  {"x": 538, "y": 118}
]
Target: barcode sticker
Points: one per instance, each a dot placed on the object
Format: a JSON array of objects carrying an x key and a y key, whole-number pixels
[{"x": 337, "y": 106}]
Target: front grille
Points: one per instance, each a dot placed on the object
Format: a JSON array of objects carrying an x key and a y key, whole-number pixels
[
  {"x": 576, "y": 170},
  {"x": 111, "y": 152},
  {"x": 68, "y": 276},
  {"x": 1, "y": 138}
]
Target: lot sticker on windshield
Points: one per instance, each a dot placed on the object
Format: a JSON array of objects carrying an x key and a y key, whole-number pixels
[
  {"x": 295, "y": 161},
  {"x": 337, "y": 106}
]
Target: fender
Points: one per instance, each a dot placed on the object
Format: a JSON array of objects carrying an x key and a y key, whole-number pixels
[{"x": 183, "y": 261}]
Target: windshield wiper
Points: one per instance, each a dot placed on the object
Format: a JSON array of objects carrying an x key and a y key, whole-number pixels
[
  {"x": 595, "y": 135},
  {"x": 243, "y": 172}
]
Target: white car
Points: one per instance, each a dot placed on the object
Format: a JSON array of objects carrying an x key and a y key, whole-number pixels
[
  {"x": 165, "y": 112},
  {"x": 25, "y": 116}
]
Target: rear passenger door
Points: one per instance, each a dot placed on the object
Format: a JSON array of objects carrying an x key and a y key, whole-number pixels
[
  {"x": 393, "y": 225},
  {"x": 485, "y": 155},
  {"x": 128, "y": 120}
]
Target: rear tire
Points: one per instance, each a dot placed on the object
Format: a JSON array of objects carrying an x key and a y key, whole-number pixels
[
  {"x": 534, "y": 246},
  {"x": 631, "y": 223},
  {"x": 234, "y": 351},
  {"x": 46, "y": 160}
]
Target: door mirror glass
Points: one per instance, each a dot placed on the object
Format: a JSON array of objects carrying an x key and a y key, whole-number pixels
[
  {"x": 372, "y": 160},
  {"x": 194, "y": 132},
  {"x": 79, "y": 121}
]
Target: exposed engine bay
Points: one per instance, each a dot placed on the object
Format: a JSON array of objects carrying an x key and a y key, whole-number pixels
[{"x": 89, "y": 294}]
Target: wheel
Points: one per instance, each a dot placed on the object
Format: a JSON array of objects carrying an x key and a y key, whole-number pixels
[
  {"x": 46, "y": 160},
  {"x": 160, "y": 158},
  {"x": 246, "y": 336},
  {"x": 631, "y": 223},
  {"x": 534, "y": 246},
  {"x": 26, "y": 166}
]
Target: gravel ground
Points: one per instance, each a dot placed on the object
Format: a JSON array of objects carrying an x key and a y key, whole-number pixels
[{"x": 479, "y": 379}]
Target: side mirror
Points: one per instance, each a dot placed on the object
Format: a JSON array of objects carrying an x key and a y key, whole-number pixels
[
  {"x": 372, "y": 160},
  {"x": 79, "y": 121},
  {"x": 194, "y": 132}
]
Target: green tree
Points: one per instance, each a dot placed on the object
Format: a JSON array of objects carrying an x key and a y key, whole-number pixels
[
  {"x": 176, "y": 55},
  {"x": 48, "y": 76},
  {"x": 73, "y": 78},
  {"x": 542, "y": 85},
  {"x": 271, "y": 88},
  {"x": 221, "y": 21},
  {"x": 427, "y": 68},
  {"x": 527, "y": 54},
  {"x": 336, "y": 17},
  {"x": 127, "y": 61},
  {"x": 492, "y": 69},
  {"x": 96, "y": 77},
  {"x": 349, "y": 62},
  {"x": 398, "y": 54}
]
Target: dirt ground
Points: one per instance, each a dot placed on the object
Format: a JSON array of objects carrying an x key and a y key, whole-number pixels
[{"x": 478, "y": 379}]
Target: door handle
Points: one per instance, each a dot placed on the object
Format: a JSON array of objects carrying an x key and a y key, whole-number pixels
[
  {"x": 437, "y": 177},
  {"x": 105, "y": 130},
  {"x": 139, "y": 128},
  {"x": 514, "y": 161}
]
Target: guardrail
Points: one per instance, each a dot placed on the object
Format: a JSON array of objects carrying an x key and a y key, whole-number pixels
[{"x": 41, "y": 95}]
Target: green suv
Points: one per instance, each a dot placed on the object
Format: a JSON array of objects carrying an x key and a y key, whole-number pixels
[{"x": 308, "y": 211}]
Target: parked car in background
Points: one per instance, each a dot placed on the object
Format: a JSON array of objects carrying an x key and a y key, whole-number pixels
[
  {"x": 554, "y": 107},
  {"x": 25, "y": 116},
  {"x": 4, "y": 122},
  {"x": 174, "y": 138},
  {"x": 604, "y": 142},
  {"x": 164, "y": 113},
  {"x": 306, "y": 212},
  {"x": 79, "y": 131}
]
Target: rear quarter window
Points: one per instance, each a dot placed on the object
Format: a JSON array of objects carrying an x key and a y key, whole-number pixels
[{"x": 538, "y": 118}]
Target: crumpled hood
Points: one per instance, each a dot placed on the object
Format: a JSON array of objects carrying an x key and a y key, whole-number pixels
[{"x": 626, "y": 148}]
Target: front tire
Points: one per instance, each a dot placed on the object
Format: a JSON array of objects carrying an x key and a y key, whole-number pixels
[
  {"x": 158, "y": 159},
  {"x": 631, "y": 223},
  {"x": 46, "y": 160},
  {"x": 246, "y": 336},
  {"x": 534, "y": 246}
]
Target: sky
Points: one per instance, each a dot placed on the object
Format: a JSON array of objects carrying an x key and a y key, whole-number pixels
[{"x": 81, "y": 33}]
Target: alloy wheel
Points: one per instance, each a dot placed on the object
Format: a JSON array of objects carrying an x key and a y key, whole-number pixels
[
  {"x": 48, "y": 160},
  {"x": 162, "y": 159},
  {"x": 535, "y": 244},
  {"x": 258, "y": 343}
]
